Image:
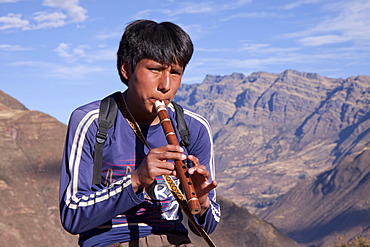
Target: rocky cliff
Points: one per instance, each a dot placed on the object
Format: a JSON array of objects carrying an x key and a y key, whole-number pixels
[
  {"x": 329, "y": 208},
  {"x": 273, "y": 130},
  {"x": 31, "y": 148}
]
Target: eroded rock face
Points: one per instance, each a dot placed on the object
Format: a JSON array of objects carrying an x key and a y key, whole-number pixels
[
  {"x": 31, "y": 150},
  {"x": 329, "y": 208},
  {"x": 238, "y": 228},
  {"x": 273, "y": 130}
]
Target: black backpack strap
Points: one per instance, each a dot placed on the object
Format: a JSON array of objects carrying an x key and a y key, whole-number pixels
[
  {"x": 107, "y": 117},
  {"x": 181, "y": 125}
]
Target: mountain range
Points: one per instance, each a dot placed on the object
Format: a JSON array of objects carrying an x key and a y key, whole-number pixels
[
  {"x": 292, "y": 148},
  {"x": 273, "y": 130}
]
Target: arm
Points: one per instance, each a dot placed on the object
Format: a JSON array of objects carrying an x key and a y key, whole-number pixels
[{"x": 84, "y": 206}]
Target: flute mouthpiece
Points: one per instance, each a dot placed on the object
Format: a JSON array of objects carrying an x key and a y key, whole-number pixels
[{"x": 159, "y": 103}]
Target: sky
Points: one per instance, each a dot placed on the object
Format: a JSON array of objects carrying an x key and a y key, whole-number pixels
[{"x": 56, "y": 55}]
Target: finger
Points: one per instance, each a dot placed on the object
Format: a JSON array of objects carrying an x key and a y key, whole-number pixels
[
  {"x": 206, "y": 189},
  {"x": 172, "y": 156},
  {"x": 200, "y": 169},
  {"x": 210, "y": 187},
  {"x": 168, "y": 148},
  {"x": 167, "y": 166},
  {"x": 164, "y": 156},
  {"x": 194, "y": 160},
  {"x": 162, "y": 168}
]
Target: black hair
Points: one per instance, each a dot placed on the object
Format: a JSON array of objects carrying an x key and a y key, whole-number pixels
[{"x": 165, "y": 43}]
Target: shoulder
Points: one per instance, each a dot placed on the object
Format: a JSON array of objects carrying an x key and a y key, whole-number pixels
[
  {"x": 196, "y": 117},
  {"x": 85, "y": 114},
  {"x": 194, "y": 120}
]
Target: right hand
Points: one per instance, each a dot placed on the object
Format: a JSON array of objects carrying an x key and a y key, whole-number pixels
[{"x": 155, "y": 164}]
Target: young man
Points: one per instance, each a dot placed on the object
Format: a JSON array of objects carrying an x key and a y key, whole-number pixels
[{"x": 133, "y": 205}]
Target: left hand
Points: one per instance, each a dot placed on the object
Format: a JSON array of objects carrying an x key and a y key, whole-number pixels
[{"x": 200, "y": 177}]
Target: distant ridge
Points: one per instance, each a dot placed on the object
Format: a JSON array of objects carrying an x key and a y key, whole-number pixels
[{"x": 292, "y": 132}]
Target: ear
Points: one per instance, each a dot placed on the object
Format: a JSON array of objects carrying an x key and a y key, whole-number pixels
[{"x": 126, "y": 70}]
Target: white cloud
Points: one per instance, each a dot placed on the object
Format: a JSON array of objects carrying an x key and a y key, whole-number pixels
[
  {"x": 84, "y": 53},
  {"x": 63, "y": 50},
  {"x": 110, "y": 35},
  {"x": 76, "y": 72},
  {"x": 11, "y": 21},
  {"x": 215, "y": 50},
  {"x": 49, "y": 20},
  {"x": 71, "y": 54},
  {"x": 323, "y": 40},
  {"x": 251, "y": 15},
  {"x": 45, "y": 66},
  {"x": 103, "y": 55},
  {"x": 74, "y": 11},
  {"x": 61, "y": 71},
  {"x": 351, "y": 23},
  {"x": 6, "y": 47},
  {"x": 9, "y": 1},
  {"x": 194, "y": 8},
  {"x": 259, "y": 63},
  {"x": 40, "y": 20},
  {"x": 195, "y": 31},
  {"x": 46, "y": 19},
  {"x": 263, "y": 49},
  {"x": 298, "y": 3}
]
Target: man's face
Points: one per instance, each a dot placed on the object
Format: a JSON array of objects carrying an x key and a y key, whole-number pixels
[{"x": 149, "y": 82}]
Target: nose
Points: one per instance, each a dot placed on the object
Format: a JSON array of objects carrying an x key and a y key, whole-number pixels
[{"x": 164, "y": 84}]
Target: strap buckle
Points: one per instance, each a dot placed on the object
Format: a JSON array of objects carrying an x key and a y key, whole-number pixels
[{"x": 101, "y": 136}]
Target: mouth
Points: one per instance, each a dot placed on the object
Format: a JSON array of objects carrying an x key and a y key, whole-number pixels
[{"x": 165, "y": 101}]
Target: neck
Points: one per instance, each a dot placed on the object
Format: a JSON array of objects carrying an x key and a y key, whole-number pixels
[{"x": 147, "y": 121}]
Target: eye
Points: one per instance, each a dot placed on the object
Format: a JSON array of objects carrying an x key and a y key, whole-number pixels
[
  {"x": 176, "y": 72},
  {"x": 154, "y": 69}
]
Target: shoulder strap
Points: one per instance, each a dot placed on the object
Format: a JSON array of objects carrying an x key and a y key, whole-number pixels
[
  {"x": 181, "y": 125},
  {"x": 107, "y": 116}
]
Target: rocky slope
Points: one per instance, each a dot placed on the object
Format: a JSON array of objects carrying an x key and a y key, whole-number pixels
[
  {"x": 31, "y": 150},
  {"x": 30, "y": 157},
  {"x": 240, "y": 228},
  {"x": 332, "y": 207},
  {"x": 273, "y": 130}
]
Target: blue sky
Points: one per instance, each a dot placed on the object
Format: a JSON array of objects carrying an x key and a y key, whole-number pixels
[{"x": 58, "y": 54}]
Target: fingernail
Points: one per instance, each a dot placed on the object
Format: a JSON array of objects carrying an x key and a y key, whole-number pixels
[
  {"x": 183, "y": 156},
  {"x": 181, "y": 149}
]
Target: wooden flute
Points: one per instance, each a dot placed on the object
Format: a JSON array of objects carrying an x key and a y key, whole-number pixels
[{"x": 181, "y": 169}]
